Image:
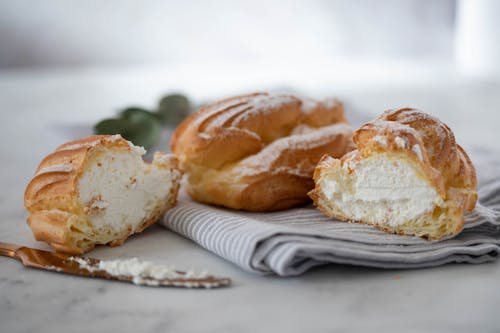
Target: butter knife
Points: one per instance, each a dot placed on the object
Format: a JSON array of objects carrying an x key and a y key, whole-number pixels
[{"x": 90, "y": 267}]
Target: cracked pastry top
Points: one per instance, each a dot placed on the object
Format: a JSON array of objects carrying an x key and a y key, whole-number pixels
[
  {"x": 257, "y": 152},
  {"x": 407, "y": 176}
]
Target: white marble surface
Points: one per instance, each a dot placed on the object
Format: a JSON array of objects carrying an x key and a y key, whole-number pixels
[{"x": 455, "y": 298}]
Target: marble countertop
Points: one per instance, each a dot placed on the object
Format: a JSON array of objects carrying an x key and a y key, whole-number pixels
[{"x": 34, "y": 106}]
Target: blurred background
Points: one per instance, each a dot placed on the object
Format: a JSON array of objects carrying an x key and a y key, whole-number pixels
[
  {"x": 58, "y": 33},
  {"x": 62, "y": 33},
  {"x": 73, "y": 63}
]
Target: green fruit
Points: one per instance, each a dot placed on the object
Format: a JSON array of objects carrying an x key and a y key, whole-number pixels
[
  {"x": 134, "y": 113},
  {"x": 172, "y": 109},
  {"x": 144, "y": 132},
  {"x": 111, "y": 126},
  {"x": 139, "y": 126}
]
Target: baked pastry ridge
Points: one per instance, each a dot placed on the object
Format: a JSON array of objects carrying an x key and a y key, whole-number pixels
[
  {"x": 407, "y": 176},
  {"x": 98, "y": 190},
  {"x": 257, "y": 152}
]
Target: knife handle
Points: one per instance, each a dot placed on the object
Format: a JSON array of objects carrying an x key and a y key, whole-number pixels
[{"x": 9, "y": 250}]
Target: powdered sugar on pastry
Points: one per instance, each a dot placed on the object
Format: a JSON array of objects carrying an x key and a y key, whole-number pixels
[
  {"x": 98, "y": 190},
  {"x": 419, "y": 183},
  {"x": 258, "y": 151},
  {"x": 234, "y": 111},
  {"x": 382, "y": 140},
  {"x": 416, "y": 149},
  {"x": 267, "y": 160},
  {"x": 400, "y": 142}
]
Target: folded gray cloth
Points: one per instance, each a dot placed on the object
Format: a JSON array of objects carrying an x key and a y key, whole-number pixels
[{"x": 290, "y": 242}]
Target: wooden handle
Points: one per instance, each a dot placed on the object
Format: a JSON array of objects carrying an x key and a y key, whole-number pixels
[{"x": 9, "y": 250}]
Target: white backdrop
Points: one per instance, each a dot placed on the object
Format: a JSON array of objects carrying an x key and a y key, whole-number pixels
[{"x": 55, "y": 33}]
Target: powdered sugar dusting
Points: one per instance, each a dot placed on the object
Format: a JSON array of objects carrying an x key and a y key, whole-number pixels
[
  {"x": 400, "y": 142},
  {"x": 225, "y": 115},
  {"x": 418, "y": 151},
  {"x": 382, "y": 140},
  {"x": 302, "y": 129},
  {"x": 271, "y": 101},
  {"x": 234, "y": 111},
  {"x": 410, "y": 116},
  {"x": 204, "y": 135},
  {"x": 392, "y": 126},
  {"x": 265, "y": 160},
  {"x": 308, "y": 105},
  {"x": 262, "y": 104}
]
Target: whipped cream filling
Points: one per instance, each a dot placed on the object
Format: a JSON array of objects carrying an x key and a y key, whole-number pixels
[
  {"x": 118, "y": 191},
  {"x": 381, "y": 190},
  {"x": 147, "y": 272}
]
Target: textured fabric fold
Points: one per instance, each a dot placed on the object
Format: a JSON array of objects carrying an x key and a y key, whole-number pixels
[{"x": 290, "y": 242}]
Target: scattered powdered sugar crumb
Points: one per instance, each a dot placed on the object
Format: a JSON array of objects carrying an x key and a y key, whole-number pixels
[
  {"x": 382, "y": 140},
  {"x": 416, "y": 149},
  {"x": 400, "y": 142},
  {"x": 204, "y": 135},
  {"x": 145, "y": 272}
]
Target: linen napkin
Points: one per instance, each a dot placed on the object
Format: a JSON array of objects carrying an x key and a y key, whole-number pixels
[{"x": 290, "y": 242}]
